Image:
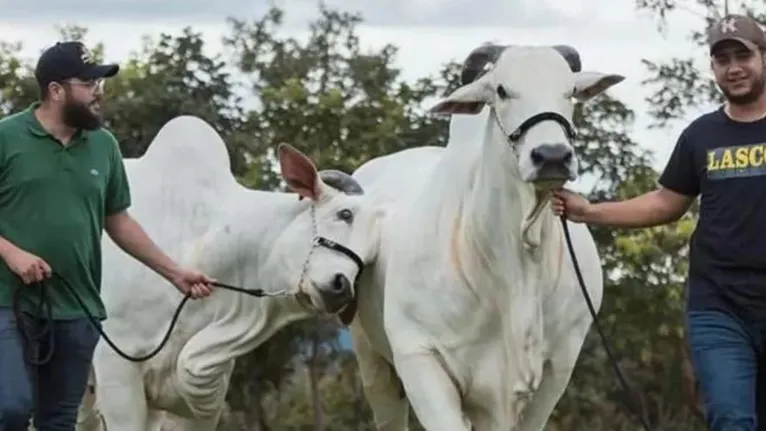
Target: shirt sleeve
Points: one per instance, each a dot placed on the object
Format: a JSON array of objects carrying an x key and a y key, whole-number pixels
[
  {"x": 681, "y": 174},
  {"x": 118, "y": 190}
]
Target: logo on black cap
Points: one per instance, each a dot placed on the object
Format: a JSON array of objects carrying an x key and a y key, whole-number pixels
[
  {"x": 729, "y": 25},
  {"x": 85, "y": 54}
]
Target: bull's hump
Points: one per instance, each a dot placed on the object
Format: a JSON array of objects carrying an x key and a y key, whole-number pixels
[{"x": 189, "y": 145}]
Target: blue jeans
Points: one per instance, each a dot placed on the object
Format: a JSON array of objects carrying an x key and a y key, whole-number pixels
[
  {"x": 61, "y": 381},
  {"x": 727, "y": 356}
]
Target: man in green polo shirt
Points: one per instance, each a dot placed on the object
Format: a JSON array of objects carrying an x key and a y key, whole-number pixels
[{"x": 62, "y": 182}]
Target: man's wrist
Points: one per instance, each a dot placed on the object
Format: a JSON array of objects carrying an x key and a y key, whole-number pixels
[
  {"x": 6, "y": 248},
  {"x": 592, "y": 213},
  {"x": 170, "y": 271}
]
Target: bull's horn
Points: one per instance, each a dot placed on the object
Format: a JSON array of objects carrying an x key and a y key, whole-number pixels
[
  {"x": 341, "y": 181},
  {"x": 571, "y": 56},
  {"x": 474, "y": 66}
]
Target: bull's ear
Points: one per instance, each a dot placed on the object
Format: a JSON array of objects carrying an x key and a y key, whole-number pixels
[
  {"x": 590, "y": 84},
  {"x": 468, "y": 99},
  {"x": 299, "y": 172}
]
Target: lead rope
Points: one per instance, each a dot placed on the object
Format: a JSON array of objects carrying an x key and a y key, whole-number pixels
[
  {"x": 633, "y": 406},
  {"x": 31, "y": 341}
]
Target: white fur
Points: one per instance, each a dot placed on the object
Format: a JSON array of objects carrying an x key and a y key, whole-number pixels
[
  {"x": 473, "y": 304},
  {"x": 186, "y": 198}
]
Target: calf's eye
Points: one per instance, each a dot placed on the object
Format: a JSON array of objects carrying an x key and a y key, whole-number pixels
[{"x": 346, "y": 215}]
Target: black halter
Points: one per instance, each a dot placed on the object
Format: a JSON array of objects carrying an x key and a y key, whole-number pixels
[
  {"x": 320, "y": 241},
  {"x": 539, "y": 118}
]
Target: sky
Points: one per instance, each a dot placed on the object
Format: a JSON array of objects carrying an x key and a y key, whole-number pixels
[{"x": 610, "y": 36}]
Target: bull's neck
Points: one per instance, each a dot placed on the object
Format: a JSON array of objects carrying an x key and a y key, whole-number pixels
[
  {"x": 486, "y": 208},
  {"x": 234, "y": 252},
  {"x": 499, "y": 198},
  {"x": 508, "y": 274}
]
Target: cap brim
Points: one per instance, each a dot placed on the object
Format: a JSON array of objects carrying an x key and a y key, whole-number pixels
[
  {"x": 748, "y": 44},
  {"x": 102, "y": 71}
]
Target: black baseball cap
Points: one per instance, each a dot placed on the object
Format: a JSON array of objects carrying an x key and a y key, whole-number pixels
[
  {"x": 740, "y": 28},
  {"x": 66, "y": 60}
]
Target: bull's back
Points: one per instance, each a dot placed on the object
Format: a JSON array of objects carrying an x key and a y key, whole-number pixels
[{"x": 399, "y": 176}]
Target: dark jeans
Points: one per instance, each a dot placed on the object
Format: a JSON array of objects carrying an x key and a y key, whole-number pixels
[
  {"x": 62, "y": 380},
  {"x": 728, "y": 359}
]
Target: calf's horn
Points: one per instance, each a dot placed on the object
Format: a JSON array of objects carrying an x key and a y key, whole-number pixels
[{"x": 341, "y": 181}]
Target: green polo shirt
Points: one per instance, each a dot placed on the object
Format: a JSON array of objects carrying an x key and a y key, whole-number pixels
[{"x": 53, "y": 202}]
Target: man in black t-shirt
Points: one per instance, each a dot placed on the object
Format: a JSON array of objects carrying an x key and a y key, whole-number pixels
[{"x": 720, "y": 157}]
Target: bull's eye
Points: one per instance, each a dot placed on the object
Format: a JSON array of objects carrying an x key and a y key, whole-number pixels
[
  {"x": 345, "y": 215},
  {"x": 501, "y": 92}
]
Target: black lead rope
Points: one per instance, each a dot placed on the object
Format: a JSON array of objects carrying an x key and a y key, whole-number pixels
[
  {"x": 633, "y": 406},
  {"x": 44, "y": 308},
  {"x": 32, "y": 340}
]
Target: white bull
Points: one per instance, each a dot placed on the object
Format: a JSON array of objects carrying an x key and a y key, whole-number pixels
[
  {"x": 473, "y": 304},
  {"x": 191, "y": 205}
]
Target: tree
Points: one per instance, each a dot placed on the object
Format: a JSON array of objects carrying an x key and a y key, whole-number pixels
[
  {"x": 173, "y": 76},
  {"x": 344, "y": 106},
  {"x": 328, "y": 97}
]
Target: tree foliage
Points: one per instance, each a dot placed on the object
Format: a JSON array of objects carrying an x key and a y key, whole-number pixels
[
  {"x": 343, "y": 104},
  {"x": 327, "y": 95}
]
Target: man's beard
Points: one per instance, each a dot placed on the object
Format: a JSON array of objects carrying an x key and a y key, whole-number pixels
[
  {"x": 79, "y": 116},
  {"x": 751, "y": 96}
]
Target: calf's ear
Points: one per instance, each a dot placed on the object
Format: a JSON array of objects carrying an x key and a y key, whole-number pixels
[{"x": 299, "y": 172}]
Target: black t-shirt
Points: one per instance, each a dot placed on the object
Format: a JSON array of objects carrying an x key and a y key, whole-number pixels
[{"x": 724, "y": 162}]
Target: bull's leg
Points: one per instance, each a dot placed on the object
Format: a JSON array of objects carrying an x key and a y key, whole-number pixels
[
  {"x": 381, "y": 385},
  {"x": 177, "y": 423},
  {"x": 155, "y": 420},
  {"x": 432, "y": 393},
  {"x": 119, "y": 391},
  {"x": 567, "y": 344},
  {"x": 555, "y": 380}
]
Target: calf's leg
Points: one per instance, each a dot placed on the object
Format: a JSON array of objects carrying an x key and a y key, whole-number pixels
[{"x": 119, "y": 391}]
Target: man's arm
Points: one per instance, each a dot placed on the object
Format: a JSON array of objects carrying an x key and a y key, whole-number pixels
[
  {"x": 6, "y": 248},
  {"x": 657, "y": 207},
  {"x": 124, "y": 230},
  {"x": 679, "y": 186},
  {"x": 128, "y": 234}
]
